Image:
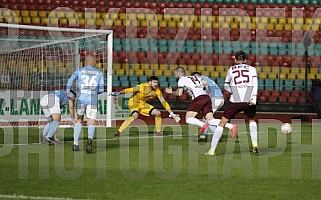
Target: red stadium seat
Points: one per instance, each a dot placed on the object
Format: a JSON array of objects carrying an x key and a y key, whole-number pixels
[{"x": 283, "y": 99}]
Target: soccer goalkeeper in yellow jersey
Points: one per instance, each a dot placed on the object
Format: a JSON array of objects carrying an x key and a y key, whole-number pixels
[{"x": 137, "y": 104}]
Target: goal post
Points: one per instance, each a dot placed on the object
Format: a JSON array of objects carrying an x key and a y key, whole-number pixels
[{"x": 37, "y": 58}]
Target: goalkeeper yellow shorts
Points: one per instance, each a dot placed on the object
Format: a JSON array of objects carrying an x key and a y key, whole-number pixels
[{"x": 140, "y": 106}]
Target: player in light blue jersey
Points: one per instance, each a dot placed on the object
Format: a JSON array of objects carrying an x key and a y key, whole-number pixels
[
  {"x": 90, "y": 84},
  {"x": 217, "y": 102},
  {"x": 51, "y": 103}
]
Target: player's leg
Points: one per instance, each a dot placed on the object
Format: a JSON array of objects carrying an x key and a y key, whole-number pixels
[
  {"x": 44, "y": 106},
  {"x": 217, "y": 136},
  {"x": 134, "y": 115},
  {"x": 158, "y": 120},
  {"x": 52, "y": 109},
  {"x": 250, "y": 113},
  {"x": 78, "y": 126},
  {"x": 134, "y": 108},
  {"x": 217, "y": 103},
  {"x": 91, "y": 113}
]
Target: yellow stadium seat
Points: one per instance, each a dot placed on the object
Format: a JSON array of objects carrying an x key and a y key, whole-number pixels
[
  {"x": 99, "y": 22},
  {"x": 261, "y": 26},
  {"x": 153, "y": 23},
  {"x": 225, "y": 25},
  {"x": 24, "y": 13},
  {"x": 172, "y": 24},
  {"x": 288, "y": 27},
  {"x": 253, "y": 26},
  {"x": 143, "y": 23},
  {"x": 270, "y": 26},
  {"x": 122, "y": 16},
  {"x": 27, "y": 20},
  {"x": 207, "y": 25},
  {"x": 311, "y": 76},
  {"x": 43, "y": 14},
  {"x": 263, "y": 20},
  {"x": 82, "y": 22},
  {"x": 120, "y": 71},
  {"x": 244, "y": 25},
  {"x": 289, "y": 20},
  {"x": 131, "y": 16},
  {"x": 192, "y": 68},
  {"x": 60, "y": 14},
  {"x": 108, "y": 22},
  {"x": 163, "y": 23},
  {"x": 80, "y": 15},
  {"x": 158, "y": 72},
  {"x": 70, "y": 15},
  {"x": 163, "y": 67},
  {"x": 35, "y": 20},
  {"x": 145, "y": 66},
  {"x": 216, "y": 25},
  {"x": 279, "y": 27},
  {"x": 234, "y": 25},
  {"x": 33, "y": 13},
  {"x": 282, "y": 76},
  {"x": 299, "y": 20},
  {"x": 167, "y": 73},
  {"x": 197, "y": 24},
  {"x": 160, "y": 17},
  {"x": 117, "y": 22},
  {"x": 180, "y": 24},
  {"x": 206, "y": 73},
  {"x": 149, "y": 72},
  {"x": 273, "y": 20},
  {"x": 44, "y": 20},
  {"x": 176, "y": 17},
  {"x": 291, "y": 76},
  {"x": 297, "y": 27},
  {"x": 316, "y": 20},
  {"x": 140, "y": 16},
  {"x": 150, "y": 17},
  {"x": 139, "y": 72},
  {"x": 282, "y": 20},
  {"x": 307, "y": 20}
]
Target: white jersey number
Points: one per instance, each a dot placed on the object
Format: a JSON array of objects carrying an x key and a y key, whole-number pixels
[{"x": 88, "y": 81}]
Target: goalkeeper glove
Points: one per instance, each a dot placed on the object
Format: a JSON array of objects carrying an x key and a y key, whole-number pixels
[
  {"x": 175, "y": 117},
  {"x": 115, "y": 94}
]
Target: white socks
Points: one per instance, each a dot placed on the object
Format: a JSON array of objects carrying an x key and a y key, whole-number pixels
[{"x": 253, "y": 133}]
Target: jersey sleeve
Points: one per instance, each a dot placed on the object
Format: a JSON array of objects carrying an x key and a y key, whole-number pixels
[
  {"x": 180, "y": 83},
  {"x": 71, "y": 80},
  {"x": 228, "y": 81},
  {"x": 161, "y": 99},
  {"x": 137, "y": 88}
]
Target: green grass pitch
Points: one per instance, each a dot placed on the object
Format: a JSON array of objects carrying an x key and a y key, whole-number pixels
[{"x": 140, "y": 166}]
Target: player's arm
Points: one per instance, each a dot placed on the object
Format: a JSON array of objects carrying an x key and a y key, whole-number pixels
[
  {"x": 167, "y": 106},
  {"x": 72, "y": 110},
  {"x": 227, "y": 82},
  {"x": 101, "y": 84},
  {"x": 253, "y": 99},
  {"x": 206, "y": 87},
  {"x": 71, "y": 80},
  {"x": 127, "y": 90},
  {"x": 177, "y": 92}
]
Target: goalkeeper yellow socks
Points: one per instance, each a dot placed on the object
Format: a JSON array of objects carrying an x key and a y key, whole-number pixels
[
  {"x": 126, "y": 123},
  {"x": 158, "y": 123}
]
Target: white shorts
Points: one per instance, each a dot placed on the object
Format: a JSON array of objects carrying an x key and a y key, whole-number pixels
[
  {"x": 50, "y": 105},
  {"x": 91, "y": 111},
  {"x": 217, "y": 103}
]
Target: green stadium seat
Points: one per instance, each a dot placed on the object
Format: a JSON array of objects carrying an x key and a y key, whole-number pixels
[
  {"x": 288, "y": 84},
  {"x": 123, "y": 78},
  {"x": 269, "y": 85},
  {"x": 132, "y": 78},
  {"x": 171, "y": 79},
  {"x": 142, "y": 79}
]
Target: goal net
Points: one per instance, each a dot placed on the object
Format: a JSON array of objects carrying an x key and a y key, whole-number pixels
[{"x": 35, "y": 59}]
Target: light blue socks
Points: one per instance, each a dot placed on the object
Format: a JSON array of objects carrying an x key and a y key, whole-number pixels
[{"x": 77, "y": 130}]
